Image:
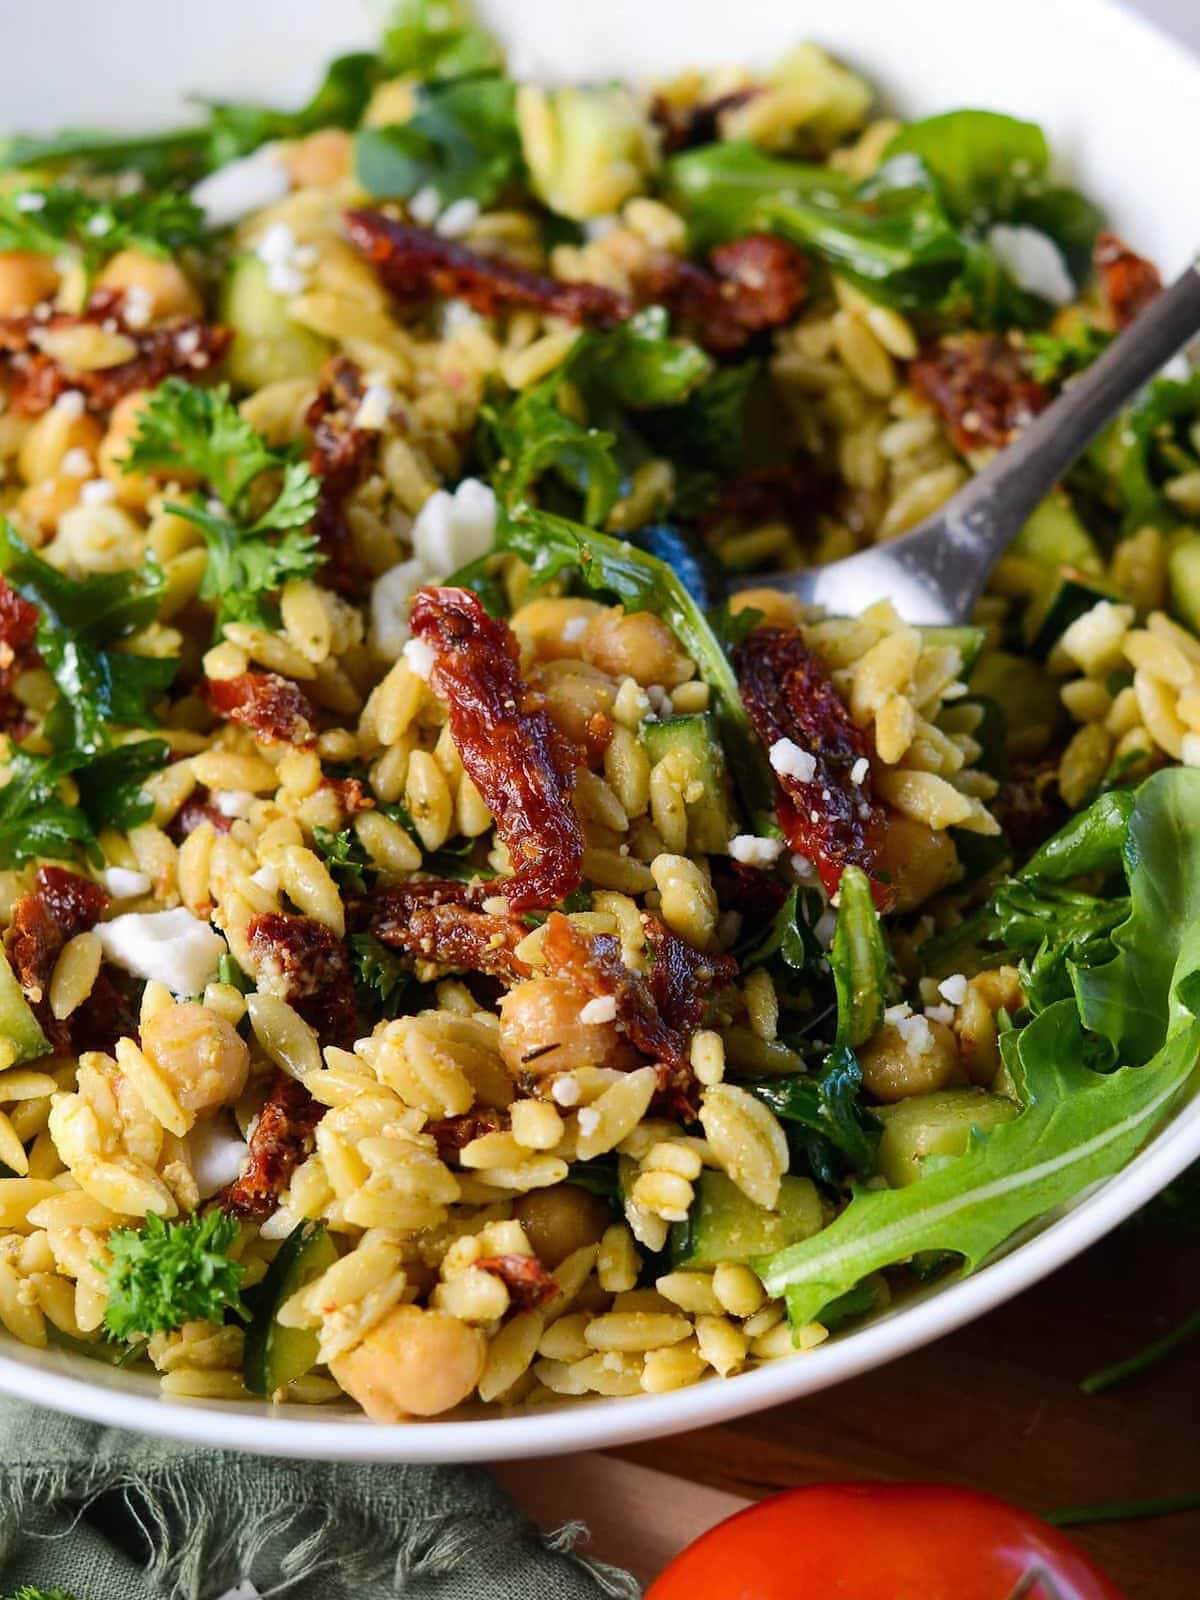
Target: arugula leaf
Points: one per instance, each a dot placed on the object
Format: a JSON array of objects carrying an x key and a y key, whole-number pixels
[
  {"x": 828, "y": 1129},
  {"x": 859, "y": 959},
  {"x": 1092, "y": 841},
  {"x": 789, "y": 940},
  {"x": 1158, "y": 443},
  {"x": 1053, "y": 358},
  {"x": 708, "y": 430},
  {"x": 531, "y": 437},
  {"x": 97, "y": 687},
  {"x": 188, "y": 429},
  {"x": 167, "y": 1273},
  {"x": 159, "y": 157},
  {"x": 34, "y": 818},
  {"x": 110, "y": 786},
  {"x": 433, "y": 39},
  {"x": 50, "y": 218},
  {"x": 1059, "y": 931},
  {"x": 552, "y": 546},
  {"x": 349, "y": 864},
  {"x": 1076, "y": 1126},
  {"x": 461, "y": 142},
  {"x": 380, "y": 976},
  {"x": 637, "y": 364}
]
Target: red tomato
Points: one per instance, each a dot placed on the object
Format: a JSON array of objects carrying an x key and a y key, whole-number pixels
[{"x": 864, "y": 1541}]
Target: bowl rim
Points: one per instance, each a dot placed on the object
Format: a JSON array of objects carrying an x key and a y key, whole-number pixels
[{"x": 307, "y": 1433}]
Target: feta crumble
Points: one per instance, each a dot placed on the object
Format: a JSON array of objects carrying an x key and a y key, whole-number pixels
[
  {"x": 753, "y": 851},
  {"x": 564, "y": 1091},
  {"x": 374, "y": 408},
  {"x": 172, "y": 947},
  {"x": 790, "y": 761},
  {"x": 76, "y": 464},
  {"x": 588, "y": 1121},
  {"x": 452, "y": 529},
  {"x": 898, "y": 1012},
  {"x": 459, "y": 217},
  {"x": 125, "y": 884},
  {"x": 917, "y": 1036},
  {"x": 233, "y": 802},
  {"x": 1034, "y": 261},
  {"x": 940, "y": 1014},
  {"x": 217, "y": 1152},
  {"x": 858, "y": 772},
  {"x": 953, "y": 988},
  {"x": 240, "y": 187},
  {"x": 97, "y": 492},
  {"x": 602, "y": 1009},
  {"x": 419, "y": 658}
]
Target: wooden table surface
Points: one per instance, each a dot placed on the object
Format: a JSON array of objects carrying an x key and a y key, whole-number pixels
[{"x": 995, "y": 1406}]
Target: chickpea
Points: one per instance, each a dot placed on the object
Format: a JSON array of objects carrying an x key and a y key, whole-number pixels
[
  {"x": 915, "y": 861},
  {"x": 56, "y": 432},
  {"x": 540, "y": 1031},
  {"x": 560, "y": 1220},
  {"x": 779, "y": 610},
  {"x": 893, "y": 1069},
  {"x": 43, "y": 503},
  {"x": 638, "y": 645},
  {"x": 26, "y": 279},
  {"x": 414, "y": 1363},
  {"x": 574, "y": 694},
  {"x": 203, "y": 1056},
  {"x": 321, "y": 161},
  {"x": 555, "y": 627},
  {"x": 134, "y": 490},
  {"x": 167, "y": 290}
]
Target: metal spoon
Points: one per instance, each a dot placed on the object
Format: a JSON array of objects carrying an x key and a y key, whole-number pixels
[{"x": 936, "y": 573}]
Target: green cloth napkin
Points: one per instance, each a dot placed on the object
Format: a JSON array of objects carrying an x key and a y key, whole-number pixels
[{"x": 108, "y": 1515}]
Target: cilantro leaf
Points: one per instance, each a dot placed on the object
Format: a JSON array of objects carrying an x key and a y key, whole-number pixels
[
  {"x": 167, "y": 1273},
  {"x": 461, "y": 142},
  {"x": 379, "y": 975},
  {"x": 50, "y": 218},
  {"x": 97, "y": 687},
  {"x": 34, "y": 818},
  {"x": 349, "y": 864},
  {"x": 201, "y": 431},
  {"x": 110, "y": 786}
]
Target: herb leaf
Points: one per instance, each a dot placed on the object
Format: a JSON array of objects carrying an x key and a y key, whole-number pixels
[
  {"x": 827, "y": 1126},
  {"x": 49, "y": 218},
  {"x": 461, "y": 142},
  {"x": 859, "y": 959},
  {"x": 349, "y": 864},
  {"x": 380, "y": 976},
  {"x": 34, "y": 818},
  {"x": 167, "y": 1273},
  {"x": 110, "y": 786}
]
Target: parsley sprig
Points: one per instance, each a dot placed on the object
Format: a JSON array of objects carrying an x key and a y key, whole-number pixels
[
  {"x": 256, "y": 523},
  {"x": 167, "y": 1273},
  {"x": 49, "y": 219}
]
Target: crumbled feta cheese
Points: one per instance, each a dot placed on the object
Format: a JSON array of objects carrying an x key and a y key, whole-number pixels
[
  {"x": 30, "y": 201},
  {"x": 1034, "y": 260},
  {"x": 940, "y": 1014},
  {"x": 374, "y": 408},
  {"x": 138, "y": 306},
  {"x": 574, "y": 629},
  {"x": 602, "y": 1009},
  {"x": 97, "y": 492},
  {"x": 233, "y": 802},
  {"x": 286, "y": 260},
  {"x": 125, "y": 884},
  {"x": 917, "y": 1036},
  {"x": 240, "y": 187},
  {"x": 390, "y": 595},
  {"x": 953, "y": 988},
  {"x": 419, "y": 658},
  {"x": 266, "y": 877},
  {"x": 564, "y": 1091},
  {"x": 825, "y": 927},
  {"x": 803, "y": 868},
  {"x": 752, "y": 851},
  {"x": 76, "y": 464},
  {"x": 858, "y": 772},
  {"x": 898, "y": 1012},
  {"x": 70, "y": 404},
  {"x": 424, "y": 206},
  {"x": 790, "y": 761},
  {"x": 458, "y": 218},
  {"x": 453, "y": 529},
  {"x": 217, "y": 1152},
  {"x": 173, "y": 947},
  {"x": 588, "y": 1121},
  {"x": 98, "y": 225}
]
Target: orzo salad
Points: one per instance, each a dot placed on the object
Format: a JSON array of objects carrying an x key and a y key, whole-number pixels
[{"x": 455, "y": 952}]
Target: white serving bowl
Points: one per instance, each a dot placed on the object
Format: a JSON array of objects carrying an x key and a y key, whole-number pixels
[{"x": 1122, "y": 108}]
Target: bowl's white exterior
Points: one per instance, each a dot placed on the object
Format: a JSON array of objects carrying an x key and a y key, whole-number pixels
[{"x": 1122, "y": 107}]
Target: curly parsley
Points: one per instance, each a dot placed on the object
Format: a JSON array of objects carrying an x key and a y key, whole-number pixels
[
  {"x": 50, "y": 219},
  {"x": 253, "y": 547},
  {"x": 168, "y": 1273}
]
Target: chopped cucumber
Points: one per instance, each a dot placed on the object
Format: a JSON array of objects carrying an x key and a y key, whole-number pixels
[
  {"x": 276, "y": 1355},
  {"x": 1064, "y": 598},
  {"x": 967, "y": 641},
  {"x": 1055, "y": 537},
  {"x": 724, "y": 1225},
  {"x": 1025, "y": 694},
  {"x": 937, "y": 1124},
  {"x": 267, "y": 345},
  {"x": 17, "y": 1022},
  {"x": 710, "y": 818},
  {"x": 1183, "y": 569}
]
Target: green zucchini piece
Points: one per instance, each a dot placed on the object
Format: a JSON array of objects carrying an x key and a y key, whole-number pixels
[
  {"x": 937, "y": 1124},
  {"x": 859, "y": 960},
  {"x": 725, "y": 1225},
  {"x": 1055, "y": 537},
  {"x": 276, "y": 1355},
  {"x": 1026, "y": 695},
  {"x": 1183, "y": 570},
  {"x": 267, "y": 345},
  {"x": 710, "y": 818},
  {"x": 968, "y": 641},
  {"x": 17, "y": 1022},
  {"x": 1052, "y": 612}
]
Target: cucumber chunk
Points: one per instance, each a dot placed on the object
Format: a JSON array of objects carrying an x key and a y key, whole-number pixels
[
  {"x": 1055, "y": 537},
  {"x": 710, "y": 818},
  {"x": 17, "y": 1022},
  {"x": 1026, "y": 695},
  {"x": 724, "y": 1225},
  {"x": 966, "y": 640},
  {"x": 267, "y": 345},
  {"x": 276, "y": 1355},
  {"x": 1183, "y": 570},
  {"x": 937, "y": 1124},
  {"x": 1052, "y": 612}
]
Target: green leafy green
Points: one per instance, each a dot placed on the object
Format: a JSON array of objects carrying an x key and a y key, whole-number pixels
[
  {"x": 788, "y": 940},
  {"x": 349, "y": 864},
  {"x": 380, "y": 976},
  {"x": 531, "y": 438},
  {"x": 111, "y": 792},
  {"x": 50, "y": 219},
  {"x": 599, "y": 1176},
  {"x": 554, "y": 547},
  {"x": 1055, "y": 357},
  {"x": 828, "y": 1129},
  {"x": 461, "y": 142},
  {"x": 1076, "y": 1126},
  {"x": 433, "y": 39},
  {"x": 34, "y": 818},
  {"x": 229, "y": 970},
  {"x": 1159, "y": 442},
  {"x": 859, "y": 959},
  {"x": 707, "y": 431},
  {"x": 1058, "y": 932},
  {"x": 167, "y": 1273},
  {"x": 97, "y": 687},
  {"x": 253, "y": 547},
  {"x": 28, "y": 1592}
]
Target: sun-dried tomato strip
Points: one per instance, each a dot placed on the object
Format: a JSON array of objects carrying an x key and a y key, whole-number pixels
[
  {"x": 750, "y": 284},
  {"x": 341, "y": 455},
  {"x": 981, "y": 385},
  {"x": 196, "y": 810},
  {"x": 1128, "y": 280},
  {"x": 416, "y": 265},
  {"x": 188, "y": 345},
  {"x": 682, "y": 978},
  {"x": 683, "y": 127},
  {"x": 274, "y": 708},
  {"x": 795, "y": 493},
  {"x": 448, "y": 932},
  {"x": 352, "y": 796},
  {"x": 829, "y": 819},
  {"x": 528, "y": 1282},
  {"x": 452, "y": 1134},
  {"x": 18, "y": 627},
  {"x": 518, "y": 761},
  {"x": 305, "y": 963},
  {"x": 281, "y": 1139}
]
